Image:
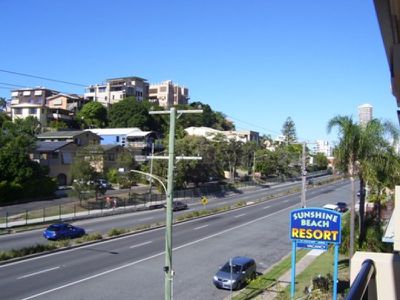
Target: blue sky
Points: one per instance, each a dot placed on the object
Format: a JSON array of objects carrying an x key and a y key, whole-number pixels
[{"x": 257, "y": 61}]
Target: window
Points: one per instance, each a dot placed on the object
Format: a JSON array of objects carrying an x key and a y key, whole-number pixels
[
  {"x": 26, "y": 93},
  {"x": 163, "y": 89},
  {"x": 54, "y": 155},
  {"x": 38, "y": 93},
  {"x": 102, "y": 89},
  {"x": 111, "y": 156},
  {"x": 32, "y": 111},
  {"x": 18, "y": 111}
]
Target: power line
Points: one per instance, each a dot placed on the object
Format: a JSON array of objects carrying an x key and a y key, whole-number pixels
[
  {"x": 10, "y": 84},
  {"x": 40, "y": 77}
]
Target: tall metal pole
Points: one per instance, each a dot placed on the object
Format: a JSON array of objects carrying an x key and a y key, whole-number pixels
[
  {"x": 303, "y": 176},
  {"x": 151, "y": 168},
  {"x": 168, "y": 222},
  {"x": 170, "y": 189}
]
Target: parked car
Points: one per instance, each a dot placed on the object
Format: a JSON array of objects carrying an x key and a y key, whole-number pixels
[
  {"x": 331, "y": 207},
  {"x": 342, "y": 206},
  {"x": 237, "y": 274},
  {"x": 63, "y": 231},
  {"x": 178, "y": 205},
  {"x": 102, "y": 183}
]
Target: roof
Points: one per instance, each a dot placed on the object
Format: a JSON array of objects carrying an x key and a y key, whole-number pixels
[
  {"x": 72, "y": 96},
  {"x": 114, "y": 131},
  {"x": 139, "y": 133},
  {"x": 126, "y": 78},
  {"x": 50, "y": 146},
  {"x": 60, "y": 134}
]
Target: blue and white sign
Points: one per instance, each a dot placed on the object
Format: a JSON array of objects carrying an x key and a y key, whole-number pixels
[{"x": 315, "y": 224}]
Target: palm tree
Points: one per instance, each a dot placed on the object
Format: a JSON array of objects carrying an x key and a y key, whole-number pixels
[
  {"x": 346, "y": 154},
  {"x": 360, "y": 148}
]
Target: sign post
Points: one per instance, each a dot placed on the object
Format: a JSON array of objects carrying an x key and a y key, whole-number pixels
[{"x": 315, "y": 228}]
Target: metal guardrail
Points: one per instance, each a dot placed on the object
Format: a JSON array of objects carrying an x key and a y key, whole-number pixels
[{"x": 366, "y": 276}]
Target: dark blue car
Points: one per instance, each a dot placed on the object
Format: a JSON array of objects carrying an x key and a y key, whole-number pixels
[{"x": 63, "y": 231}]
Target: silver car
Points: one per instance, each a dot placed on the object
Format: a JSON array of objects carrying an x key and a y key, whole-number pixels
[{"x": 236, "y": 275}]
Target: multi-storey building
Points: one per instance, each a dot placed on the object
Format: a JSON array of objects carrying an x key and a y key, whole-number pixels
[
  {"x": 321, "y": 146},
  {"x": 31, "y": 102},
  {"x": 211, "y": 133},
  {"x": 116, "y": 89},
  {"x": 44, "y": 104},
  {"x": 167, "y": 94},
  {"x": 365, "y": 113}
]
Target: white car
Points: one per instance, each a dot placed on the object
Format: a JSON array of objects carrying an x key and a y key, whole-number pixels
[{"x": 331, "y": 207}]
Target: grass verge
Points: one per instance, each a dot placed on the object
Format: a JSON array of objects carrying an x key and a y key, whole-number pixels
[{"x": 268, "y": 279}]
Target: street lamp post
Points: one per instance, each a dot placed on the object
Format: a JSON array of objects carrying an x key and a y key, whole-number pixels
[{"x": 170, "y": 188}]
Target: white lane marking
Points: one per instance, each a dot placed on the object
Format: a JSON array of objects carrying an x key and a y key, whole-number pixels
[
  {"x": 39, "y": 272},
  {"x": 142, "y": 244},
  {"x": 241, "y": 215},
  {"x": 145, "y": 219},
  {"x": 265, "y": 207},
  {"x": 197, "y": 228},
  {"x": 158, "y": 254},
  {"x": 284, "y": 201}
]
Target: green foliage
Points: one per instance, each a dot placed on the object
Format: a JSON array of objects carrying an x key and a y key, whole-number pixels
[
  {"x": 289, "y": 131},
  {"x": 20, "y": 177},
  {"x": 92, "y": 114},
  {"x": 56, "y": 124},
  {"x": 320, "y": 162},
  {"x": 132, "y": 113},
  {"x": 116, "y": 232}
]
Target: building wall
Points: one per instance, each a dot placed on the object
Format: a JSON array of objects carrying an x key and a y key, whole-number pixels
[{"x": 167, "y": 94}]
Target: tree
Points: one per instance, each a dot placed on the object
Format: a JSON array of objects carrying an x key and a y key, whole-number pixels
[
  {"x": 289, "y": 131},
  {"x": 3, "y": 103},
  {"x": 346, "y": 154},
  {"x": 131, "y": 113},
  {"x": 360, "y": 147},
  {"x": 320, "y": 161},
  {"x": 92, "y": 115},
  {"x": 21, "y": 177}
]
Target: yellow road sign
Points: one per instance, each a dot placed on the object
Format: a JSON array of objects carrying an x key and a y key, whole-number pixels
[{"x": 204, "y": 200}]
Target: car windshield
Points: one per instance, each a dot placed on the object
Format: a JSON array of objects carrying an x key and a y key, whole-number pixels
[
  {"x": 227, "y": 268},
  {"x": 54, "y": 228}
]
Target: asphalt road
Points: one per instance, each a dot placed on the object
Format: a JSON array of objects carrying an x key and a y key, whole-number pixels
[
  {"x": 131, "y": 267},
  {"x": 130, "y": 220}
]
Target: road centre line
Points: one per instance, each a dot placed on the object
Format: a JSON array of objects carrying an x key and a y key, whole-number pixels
[
  {"x": 128, "y": 236},
  {"x": 141, "y": 244},
  {"x": 241, "y": 215},
  {"x": 39, "y": 272},
  {"x": 141, "y": 233},
  {"x": 265, "y": 207},
  {"x": 158, "y": 254},
  {"x": 197, "y": 228},
  {"x": 145, "y": 219}
]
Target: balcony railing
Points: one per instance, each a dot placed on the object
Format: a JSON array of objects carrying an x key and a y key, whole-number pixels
[{"x": 364, "y": 286}]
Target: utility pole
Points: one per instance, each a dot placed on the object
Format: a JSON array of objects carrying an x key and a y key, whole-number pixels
[
  {"x": 170, "y": 189},
  {"x": 151, "y": 167},
  {"x": 303, "y": 176}
]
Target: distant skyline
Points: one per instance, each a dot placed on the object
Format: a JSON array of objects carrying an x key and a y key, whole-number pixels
[{"x": 258, "y": 62}]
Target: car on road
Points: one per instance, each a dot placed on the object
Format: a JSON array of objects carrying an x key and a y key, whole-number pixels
[
  {"x": 63, "y": 231},
  {"x": 178, "y": 205},
  {"x": 342, "y": 206},
  {"x": 236, "y": 273},
  {"x": 331, "y": 207}
]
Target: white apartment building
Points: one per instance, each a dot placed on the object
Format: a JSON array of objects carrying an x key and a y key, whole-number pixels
[
  {"x": 116, "y": 89},
  {"x": 365, "y": 113},
  {"x": 211, "y": 133},
  {"x": 321, "y": 146},
  {"x": 167, "y": 94}
]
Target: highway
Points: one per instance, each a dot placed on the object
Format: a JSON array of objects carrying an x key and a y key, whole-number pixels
[
  {"x": 130, "y": 220},
  {"x": 131, "y": 267}
]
